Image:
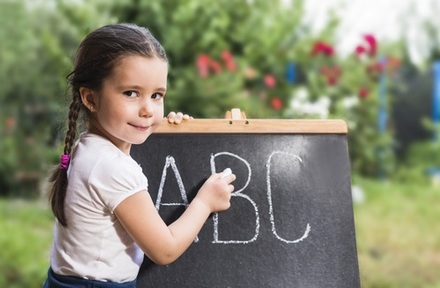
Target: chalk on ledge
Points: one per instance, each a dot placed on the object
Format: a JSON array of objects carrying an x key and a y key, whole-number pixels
[{"x": 226, "y": 172}]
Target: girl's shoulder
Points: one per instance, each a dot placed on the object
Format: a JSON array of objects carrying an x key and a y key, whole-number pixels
[
  {"x": 102, "y": 154},
  {"x": 108, "y": 165}
]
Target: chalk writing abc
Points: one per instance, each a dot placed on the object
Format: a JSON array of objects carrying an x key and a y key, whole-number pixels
[{"x": 170, "y": 163}]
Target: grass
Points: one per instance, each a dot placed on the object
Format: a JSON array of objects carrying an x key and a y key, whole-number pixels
[
  {"x": 25, "y": 239},
  {"x": 397, "y": 229},
  {"x": 398, "y": 235}
]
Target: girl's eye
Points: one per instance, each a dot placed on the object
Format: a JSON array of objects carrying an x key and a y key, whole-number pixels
[
  {"x": 157, "y": 96},
  {"x": 131, "y": 93}
]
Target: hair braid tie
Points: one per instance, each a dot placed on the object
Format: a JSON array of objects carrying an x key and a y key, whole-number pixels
[{"x": 64, "y": 161}]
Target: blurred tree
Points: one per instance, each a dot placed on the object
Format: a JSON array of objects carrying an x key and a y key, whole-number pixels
[
  {"x": 256, "y": 55},
  {"x": 258, "y": 33},
  {"x": 37, "y": 42},
  {"x": 226, "y": 54}
]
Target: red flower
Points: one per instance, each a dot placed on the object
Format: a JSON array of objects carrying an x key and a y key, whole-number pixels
[
  {"x": 10, "y": 124},
  {"x": 374, "y": 69},
  {"x": 372, "y": 44},
  {"x": 231, "y": 66},
  {"x": 332, "y": 80},
  {"x": 203, "y": 65},
  {"x": 321, "y": 47},
  {"x": 215, "y": 66},
  {"x": 270, "y": 81},
  {"x": 363, "y": 92},
  {"x": 229, "y": 61},
  {"x": 370, "y": 48},
  {"x": 226, "y": 55},
  {"x": 360, "y": 50},
  {"x": 332, "y": 74},
  {"x": 276, "y": 103}
]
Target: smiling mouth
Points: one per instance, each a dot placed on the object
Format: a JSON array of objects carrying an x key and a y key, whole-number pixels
[{"x": 141, "y": 128}]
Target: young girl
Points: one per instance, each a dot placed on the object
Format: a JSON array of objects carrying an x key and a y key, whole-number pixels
[{"x": 106, "y": 219}]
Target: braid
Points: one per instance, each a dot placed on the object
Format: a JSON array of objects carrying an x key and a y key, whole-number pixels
[
  {"x": 74, "y": 111},
  {"x": 59, "y": 176}
]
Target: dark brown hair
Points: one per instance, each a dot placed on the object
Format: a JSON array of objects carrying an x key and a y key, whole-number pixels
[{"x": 95, "y": 59}]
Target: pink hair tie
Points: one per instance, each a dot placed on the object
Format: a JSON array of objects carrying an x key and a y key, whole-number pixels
[{"x": 64, "y": 161}]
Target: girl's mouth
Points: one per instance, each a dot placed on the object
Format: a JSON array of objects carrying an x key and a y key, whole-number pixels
[{"x": 141, "y": 128}]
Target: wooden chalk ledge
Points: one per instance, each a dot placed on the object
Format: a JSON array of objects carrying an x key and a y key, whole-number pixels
[{"x": 235, "y": 122}]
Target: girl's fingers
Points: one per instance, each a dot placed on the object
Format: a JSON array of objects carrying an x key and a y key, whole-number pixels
[
  {"x": 179, "y": 117},
  {"x": 176, "y": 118},
  {"x": 171, "y": 117}
]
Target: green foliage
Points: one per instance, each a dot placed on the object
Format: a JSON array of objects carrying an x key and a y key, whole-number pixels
[
  {"x": 26, "y": 236},
  {"x": 262, "y": 35},
  {"x": 422, "y": 162},
  {"x": 223, "y": 54},
  {"x": 37, "y": 43},
  {"x": 262, "y": 38}
]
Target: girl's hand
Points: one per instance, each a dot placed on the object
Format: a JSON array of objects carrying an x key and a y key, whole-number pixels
[
  {"x": 216, "y": 192},
  {"x": 176, "y": 118}
]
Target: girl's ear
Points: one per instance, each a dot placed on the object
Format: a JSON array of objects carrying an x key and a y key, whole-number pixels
[{"x": 88, "y": 98}]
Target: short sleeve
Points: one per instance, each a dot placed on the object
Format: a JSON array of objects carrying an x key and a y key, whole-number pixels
[{"x": 116, "y": 178}]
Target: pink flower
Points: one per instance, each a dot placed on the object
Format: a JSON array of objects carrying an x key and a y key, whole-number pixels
[
  {"x": 375, "y": 69},
  {"x": 215, "y": 66},
  {"x": 229, "y": 61},
  {"x": 363, "y": 92},
  {"x": 10, "y": 124},
  {"x": 332, "y": 80},
  {"x": 250, "y": 73},
  {"x": 226, "y": 55},
  {"x": 332, "y": 74},
  {"x": 321, "y": 47},
  {"x": 231, "y": 66},
  {"x": 276, "y": 103},
  {"x": 372, "y": 49},
  {"x": 270, "y": 81},
  {"x": 360, "y": 50},
  {"x": 203, "y": 65},
  {"x": 369, "y": 48}
]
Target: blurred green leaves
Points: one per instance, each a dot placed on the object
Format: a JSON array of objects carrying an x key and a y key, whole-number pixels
[
  {"x": 37, "y": 43},
  {"x": 262, "y": 34},
  {"x": 38, "y": 40}
]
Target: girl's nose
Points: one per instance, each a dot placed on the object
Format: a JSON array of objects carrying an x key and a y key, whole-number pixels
[{"x": 146, "y": 109}]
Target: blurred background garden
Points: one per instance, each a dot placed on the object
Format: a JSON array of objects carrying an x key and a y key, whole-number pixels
[{"x": 272, "y": 59}]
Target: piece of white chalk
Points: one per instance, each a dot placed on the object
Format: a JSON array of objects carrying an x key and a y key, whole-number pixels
[{"x": 226, "y": 172}]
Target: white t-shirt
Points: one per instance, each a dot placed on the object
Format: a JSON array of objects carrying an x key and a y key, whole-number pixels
[{"x": 94, "y": 245}]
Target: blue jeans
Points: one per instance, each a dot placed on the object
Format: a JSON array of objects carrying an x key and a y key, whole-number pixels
[{"x": 60, "y": 281}]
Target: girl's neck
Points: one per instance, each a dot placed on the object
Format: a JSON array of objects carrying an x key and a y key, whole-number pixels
[{"x": 98, "y": 130}]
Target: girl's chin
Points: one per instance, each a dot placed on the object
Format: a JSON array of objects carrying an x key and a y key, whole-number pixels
[{"x": 140, "y": 140}]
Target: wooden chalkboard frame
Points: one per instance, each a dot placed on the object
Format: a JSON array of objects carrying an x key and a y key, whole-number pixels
[{"x": 257, "y": 126}]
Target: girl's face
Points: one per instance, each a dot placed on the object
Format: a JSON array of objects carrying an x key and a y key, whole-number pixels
[{"x": 129, "y": 106}]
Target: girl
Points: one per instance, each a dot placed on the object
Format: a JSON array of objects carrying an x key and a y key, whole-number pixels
[{"x": 106, "y": 219}]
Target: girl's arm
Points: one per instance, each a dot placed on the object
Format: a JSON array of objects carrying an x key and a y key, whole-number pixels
[{"x": 164, "y": 244}]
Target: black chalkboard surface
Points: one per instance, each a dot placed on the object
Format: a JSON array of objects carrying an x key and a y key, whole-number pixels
[{"x": 291, "y": 218}]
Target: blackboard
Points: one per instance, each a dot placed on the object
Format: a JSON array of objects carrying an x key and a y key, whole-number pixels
[{"x": 291, "y": 218}]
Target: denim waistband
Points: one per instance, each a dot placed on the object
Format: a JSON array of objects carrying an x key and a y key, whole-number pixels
[{"x": 60, "y": 281}]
